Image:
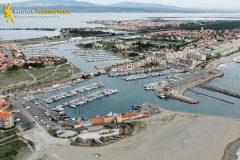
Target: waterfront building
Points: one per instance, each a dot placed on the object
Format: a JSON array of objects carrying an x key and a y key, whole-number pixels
[{"x": 150, "y": 60}]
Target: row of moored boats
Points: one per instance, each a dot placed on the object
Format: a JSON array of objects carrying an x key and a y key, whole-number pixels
[
  {"x": 89, "y": 98},
  {"x": 95, "y": 55},
  {"x": 140, "y": 76},
  {"x": 73, "y": 92}
]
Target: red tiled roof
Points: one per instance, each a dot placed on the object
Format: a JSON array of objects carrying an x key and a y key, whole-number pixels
[{"x": 5, "y": 114}]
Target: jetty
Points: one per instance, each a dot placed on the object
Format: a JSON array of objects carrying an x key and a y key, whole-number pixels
[
  {"x": 213, "y": 97},
  {"x": 177, "y": 96},
  {"x": 177, "y": 88},
  {"x": 221, "y": 90}
]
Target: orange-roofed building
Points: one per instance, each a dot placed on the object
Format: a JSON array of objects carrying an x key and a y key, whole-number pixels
[{"x": 6, "y": 120}]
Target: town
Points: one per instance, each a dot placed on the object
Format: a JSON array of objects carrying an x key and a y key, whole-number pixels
[{"x": 50, "y": 85}]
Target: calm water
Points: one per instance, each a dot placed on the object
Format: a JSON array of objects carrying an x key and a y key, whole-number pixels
[
  {"x": 66, "y": 50},
  {"x": 133, "y": 93},
  {"x": 80, "y": 19},
  {"x": 129, "y": 92}
]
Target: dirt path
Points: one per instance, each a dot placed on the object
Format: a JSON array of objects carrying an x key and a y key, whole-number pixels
[
  {"x": 42, "y": 140},
  {"x": 31, "y": 75}
]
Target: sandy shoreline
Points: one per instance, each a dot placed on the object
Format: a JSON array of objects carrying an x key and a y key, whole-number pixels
[
  {"x": 231, "y": 150},
  {"x": 217, "y": 62},
  {"x": 169, "y": 135}
]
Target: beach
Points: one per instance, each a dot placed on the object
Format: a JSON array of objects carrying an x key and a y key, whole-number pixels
[
  {"x": 215, "y": 63},
  {"x": 169, "y": 135},
  {"x": 231, "y": 150}
]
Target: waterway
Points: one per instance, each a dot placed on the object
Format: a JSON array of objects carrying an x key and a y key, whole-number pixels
[
  {"x": 132, "y": 92},
  {"x": 66, "y": 50},
  {"x": 79, "y": 20}
]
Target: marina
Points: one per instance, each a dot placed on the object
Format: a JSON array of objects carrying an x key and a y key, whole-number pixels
[
  {"x": 161, "y": 64},
  {"x": 66, "y": 50},
  {"x": 146, "y": 73},
  {"x": 130, "y": 90},
  {"x": 153, "y": 71},
  {"x": 135, "y": 77},
  {"x": 143, "y": 76},
  {"x": 130, "y": 93},
  {"x": 73, "y": 92},
  {"x": 95, "y": 55},
  {"x": 150, "y": 86},
  {"x": 89, "y": 98}
]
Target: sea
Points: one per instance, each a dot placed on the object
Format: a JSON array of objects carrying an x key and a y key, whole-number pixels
[
  {"x": 131, "y": 92},
  {"x": 80, "y": 19}
]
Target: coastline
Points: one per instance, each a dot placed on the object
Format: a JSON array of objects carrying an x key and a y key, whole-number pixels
[
  {"x": 233, "y": 147},
  {"x": 213, "y": 65},
  {"x": 223, "y": 60},
  {"x": 231, "y": 150},
  {"x": 184, "y": 134}
]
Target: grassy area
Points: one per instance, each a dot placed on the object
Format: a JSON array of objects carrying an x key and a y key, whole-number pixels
[
  {"x": 7, "y": 139},
  {"x": 10, "y": 150},
  {"x": 13, "y": 77},
  {"x": 31, "y": 143},
  {"x": 55, "y": 72},
  {"x": 52, "y": 132},
  {"x": 19, "y": 78},
  {"x": 7, "y": 133},
  {"x": 64, "y": 68},
  {"x": 45, "y": 76},
  {"x": 39, "y": 72}
]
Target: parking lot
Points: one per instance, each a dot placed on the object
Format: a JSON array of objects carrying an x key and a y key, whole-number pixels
[
  {"x": 41, "y": 114},
  {"x": 32, "y": 111}
]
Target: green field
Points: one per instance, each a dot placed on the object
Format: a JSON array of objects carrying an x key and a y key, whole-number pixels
[
  {"x": 9, "y": 150},
  {"x": 7, "y": 133},
  {"x": 13, "y": 77},
  {"x": 20, "y": 78}
]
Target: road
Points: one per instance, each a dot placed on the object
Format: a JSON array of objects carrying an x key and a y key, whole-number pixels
[
  {"x": 27, "y": 122},
  {"x": 31, "y": 111}
]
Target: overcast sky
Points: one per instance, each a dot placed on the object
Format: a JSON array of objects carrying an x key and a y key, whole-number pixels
[{"x": 220, "y": 4}]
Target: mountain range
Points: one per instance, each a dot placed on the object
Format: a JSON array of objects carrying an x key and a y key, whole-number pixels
[{"x": 81, "y": 6}]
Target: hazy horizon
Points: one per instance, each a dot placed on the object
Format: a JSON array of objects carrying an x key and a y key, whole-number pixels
[{"x": 214, "y": 4}]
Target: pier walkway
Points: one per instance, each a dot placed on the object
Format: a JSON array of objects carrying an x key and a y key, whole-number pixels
[
  {"x": 175, "y": 95},
  {"x": 204, "y": 94},
  {"x": 221, "y": 90}
]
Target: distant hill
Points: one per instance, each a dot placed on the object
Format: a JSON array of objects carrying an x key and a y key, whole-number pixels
[
  {"x": 141, "y": 5},
  {"x": 53, "y": 3},
  {"x": 81, "y": 6}
]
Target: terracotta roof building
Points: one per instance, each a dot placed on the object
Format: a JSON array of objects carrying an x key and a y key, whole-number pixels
[{"x": 6, "y": 120}]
